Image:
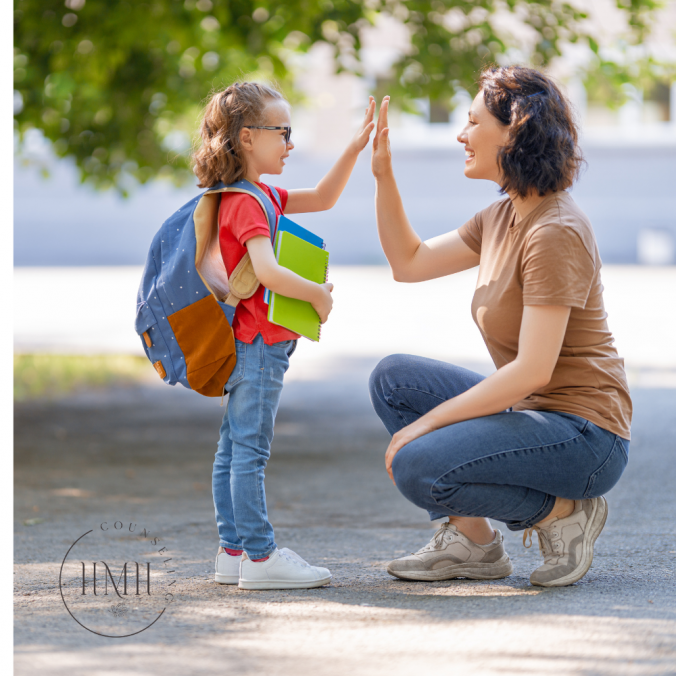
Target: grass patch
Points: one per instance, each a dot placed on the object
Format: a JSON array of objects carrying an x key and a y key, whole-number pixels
[{"x": 51, "y": 375}]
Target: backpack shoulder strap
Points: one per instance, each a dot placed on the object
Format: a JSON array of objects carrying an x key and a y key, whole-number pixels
[
  {"x": 275, "y": 194},
  {"x": 259, "y": 195}
]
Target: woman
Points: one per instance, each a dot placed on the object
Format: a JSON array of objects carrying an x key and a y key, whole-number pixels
[{"x": 536, "y": 444}]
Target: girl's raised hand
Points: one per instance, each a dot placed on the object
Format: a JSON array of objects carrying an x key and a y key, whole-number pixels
[
  {"x": 381, "y": 158},
  {"x": 359, "y": 142}
]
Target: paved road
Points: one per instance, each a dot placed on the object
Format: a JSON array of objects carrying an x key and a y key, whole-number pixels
[{"x": 144, "y": 456}]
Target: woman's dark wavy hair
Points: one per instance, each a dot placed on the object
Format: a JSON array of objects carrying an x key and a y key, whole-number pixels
[{"x": 542, "y": 153}]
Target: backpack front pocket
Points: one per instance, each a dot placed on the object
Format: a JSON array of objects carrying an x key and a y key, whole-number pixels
[{"x": 204, "y": 335}]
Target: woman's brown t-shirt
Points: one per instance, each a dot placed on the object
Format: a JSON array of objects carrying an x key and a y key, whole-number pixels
[{"x": 550, "y": 258}]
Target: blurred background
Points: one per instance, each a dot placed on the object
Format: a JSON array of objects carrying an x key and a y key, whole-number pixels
[
  {"x": 107, "y": 105},
  {"x": 107, "y": 98}
]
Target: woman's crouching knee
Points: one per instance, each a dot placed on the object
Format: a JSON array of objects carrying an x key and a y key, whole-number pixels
[
  {"x": 381, "y": 377},
  {"x": 409, "y": 480}
]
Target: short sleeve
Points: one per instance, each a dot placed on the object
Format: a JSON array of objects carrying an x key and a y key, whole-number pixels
[
  {"x": 557, "y": 268},
  {"x": 471, "y": 233},
  {"x": 244, "y": 217}
]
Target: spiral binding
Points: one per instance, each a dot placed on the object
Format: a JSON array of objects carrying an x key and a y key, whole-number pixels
[{"x": 326, "y": 279}]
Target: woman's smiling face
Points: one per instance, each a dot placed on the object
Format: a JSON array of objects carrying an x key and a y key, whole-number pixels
[{"x": 482, "y": 137}]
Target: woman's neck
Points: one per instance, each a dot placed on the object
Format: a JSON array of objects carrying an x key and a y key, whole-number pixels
[{"x": 524, "y": 205}]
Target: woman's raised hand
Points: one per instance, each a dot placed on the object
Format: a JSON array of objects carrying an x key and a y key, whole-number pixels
[
  {"x": 360, "y": 140},
  {"x": 381, "y": 158}
]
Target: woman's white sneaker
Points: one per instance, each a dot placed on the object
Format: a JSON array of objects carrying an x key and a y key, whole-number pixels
[
  {"x": 227, "y": 568},
  {"x": 284, "y": 569}
]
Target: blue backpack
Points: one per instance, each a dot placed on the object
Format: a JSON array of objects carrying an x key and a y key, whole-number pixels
[{"x": 186, "y": 301}]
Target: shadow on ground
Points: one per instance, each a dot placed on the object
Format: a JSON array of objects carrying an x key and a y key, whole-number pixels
[{"x": 143, "y": 455}]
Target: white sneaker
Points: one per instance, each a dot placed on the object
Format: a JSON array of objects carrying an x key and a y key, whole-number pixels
[
  {"x": 283, "y": 570},
  {"x": 227, "y": 568}
]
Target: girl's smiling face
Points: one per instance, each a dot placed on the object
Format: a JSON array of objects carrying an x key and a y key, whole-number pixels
[
  {"x": 482, "y": 137},
  {"x": 265, "y": 149}
]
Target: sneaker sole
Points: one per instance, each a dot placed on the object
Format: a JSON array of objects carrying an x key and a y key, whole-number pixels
[
  {"x": 474, "y": 571},
  {"x": 226, "y": 579},
  {"x": 282, "y": 584},
  {"x": 597, "y": 522}
]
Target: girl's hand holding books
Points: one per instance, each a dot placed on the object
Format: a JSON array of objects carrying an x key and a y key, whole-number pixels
[{"x": 323, "y": 303}]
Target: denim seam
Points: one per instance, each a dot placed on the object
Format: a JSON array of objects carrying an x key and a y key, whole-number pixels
[
  {"x": 493, "y": 455},
  {"x": 409, "y": 389},
  {"x": 413, "y": 389},
  {"x": 622, "y": 448},
  {"x": 261, "y": 375},
  {"x": 240, "y": 375},
  {"x": 604, "y": 465}
]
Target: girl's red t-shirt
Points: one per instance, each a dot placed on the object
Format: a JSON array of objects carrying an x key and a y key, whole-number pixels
[{"x": 242, "y": 218}]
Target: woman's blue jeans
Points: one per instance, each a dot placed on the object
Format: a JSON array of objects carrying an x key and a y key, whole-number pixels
[
  {"x": 255, "y": 388},
  {"x": 510, "y": 466}
]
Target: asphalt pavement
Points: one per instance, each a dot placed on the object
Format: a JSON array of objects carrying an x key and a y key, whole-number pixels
[{"x": 143, "y": 455}]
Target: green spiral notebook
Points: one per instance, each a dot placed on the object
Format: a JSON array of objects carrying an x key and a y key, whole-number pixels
[{"x": 309, "y": 262}]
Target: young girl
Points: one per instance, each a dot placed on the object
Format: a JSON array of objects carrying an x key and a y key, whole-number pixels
[{"x": 246, "y": 132}]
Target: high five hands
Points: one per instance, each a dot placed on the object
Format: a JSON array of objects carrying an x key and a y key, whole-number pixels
[
  {"x": 381, "y": 158},
  {"x": 361, "y": 138}
]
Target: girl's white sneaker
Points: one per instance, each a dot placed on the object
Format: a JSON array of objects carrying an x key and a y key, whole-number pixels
[
  {"x": 227, "y": 568},
  {"x": 283, "y": 570}
]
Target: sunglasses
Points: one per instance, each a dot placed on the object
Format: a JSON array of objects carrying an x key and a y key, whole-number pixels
[{"x": 287, "y": 131}]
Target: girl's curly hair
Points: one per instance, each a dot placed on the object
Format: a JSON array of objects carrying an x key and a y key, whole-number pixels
[
  {"x": 219, "y": 155},
  {"x": 542, "y": 153}
]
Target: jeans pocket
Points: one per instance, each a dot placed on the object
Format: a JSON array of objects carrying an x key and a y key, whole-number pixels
[
  {"x": 237, "y": 374},
  {"x": 610, "y": 471},
  {"x": 292, "y": 347},
  {"x": 288, "y": 346}
]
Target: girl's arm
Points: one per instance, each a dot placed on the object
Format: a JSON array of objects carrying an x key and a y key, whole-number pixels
[
  {"x": 285, "y": 282},
  {"x": 411, "y": 259},
  {"x": 329, "y": 189},
  {"x": 540, "y": 339}
]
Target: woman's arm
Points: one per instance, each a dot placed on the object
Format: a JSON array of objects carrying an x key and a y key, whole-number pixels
[
  {"x": 329, "y": 189},
  {"x": 285, "y": 282},
  {"x": 411, "y": 259},
  {"x": 540, "y": 339}
]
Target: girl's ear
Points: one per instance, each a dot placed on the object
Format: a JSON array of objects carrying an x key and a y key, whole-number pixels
[{"x": 246, "y": 139}]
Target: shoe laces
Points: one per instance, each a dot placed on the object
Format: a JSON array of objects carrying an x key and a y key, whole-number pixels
[
  {"x": 545, "y": 538},
  {"x": 443, "y": 536},
  {"x": 290, "y": 555}
]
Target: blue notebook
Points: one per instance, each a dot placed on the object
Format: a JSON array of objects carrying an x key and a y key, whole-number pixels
[{"x": 285, "y": 224}]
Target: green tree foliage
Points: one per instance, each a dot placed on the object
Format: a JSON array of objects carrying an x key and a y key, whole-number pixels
[
  {"x": 452, "y": 40},
  {"x": 107, "y": 81},
  {"x": 113, "y": 83}
]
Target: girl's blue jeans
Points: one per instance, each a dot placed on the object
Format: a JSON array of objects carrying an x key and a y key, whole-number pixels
[
  {"x": 510, "y": 466},
  {"x": 255, "y": 388}
]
